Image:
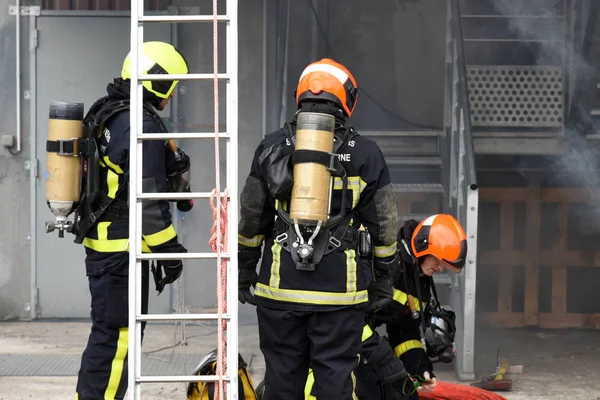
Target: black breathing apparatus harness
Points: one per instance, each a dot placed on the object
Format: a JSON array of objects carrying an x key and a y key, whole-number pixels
[
  {"x": 308, "y": 244},
  {"x": 94, "y": 203}
]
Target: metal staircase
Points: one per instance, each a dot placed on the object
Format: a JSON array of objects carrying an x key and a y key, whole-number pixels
[
  {"x": 415, "y": 165},
  {"x": 515, "y": 56}
]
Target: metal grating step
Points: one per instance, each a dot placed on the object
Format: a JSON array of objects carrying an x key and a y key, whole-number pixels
[
  {"x": 68, "y": 364},
  {"x": 418, "y": 188}
]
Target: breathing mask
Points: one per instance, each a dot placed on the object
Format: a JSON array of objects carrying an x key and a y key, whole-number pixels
[
  {"x": 178, "y": 177},
  {"x": 439, "y": 335}
]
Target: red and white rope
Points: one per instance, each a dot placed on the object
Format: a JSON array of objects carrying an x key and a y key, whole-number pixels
[{"x": 219, "y": 232}]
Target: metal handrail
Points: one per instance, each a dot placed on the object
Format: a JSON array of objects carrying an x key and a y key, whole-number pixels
[{"x": 463, "y": 98}]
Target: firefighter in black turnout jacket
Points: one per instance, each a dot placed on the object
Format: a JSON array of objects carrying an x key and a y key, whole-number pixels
[
  {"x": 424, "y": 248},
  {"x": 311, "y": 296},
  {"x": 102, "y": 221}
]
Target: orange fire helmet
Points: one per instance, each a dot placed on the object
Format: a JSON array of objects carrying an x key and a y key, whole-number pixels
[
  {"x": 330, "y": 80},
  {"x": 441, "y": 236}
]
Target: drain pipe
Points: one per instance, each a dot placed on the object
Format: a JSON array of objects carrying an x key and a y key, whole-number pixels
[
  {"x": 33, "y": 166},
  {"x": 18, "y": 74}
]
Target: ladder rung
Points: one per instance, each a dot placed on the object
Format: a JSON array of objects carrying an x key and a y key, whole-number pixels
[
  {"x": 181, "y": 135},
  {"x": 176, "y": 196},
  {"x": 181, "y": 77},
  {"x": 182, "y": 256},
  {"x": 180, "y": 378},
  {"x": 182, "y": 18},
  {"x": 181, "y": 317}
]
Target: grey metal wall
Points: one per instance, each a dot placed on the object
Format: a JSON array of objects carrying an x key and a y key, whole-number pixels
[
  {"x": 398, "y": 60},
  {"x": 394, "y": 48},
  {"x": 97, "y": 46},
  {"x": 14, "y": 179}
]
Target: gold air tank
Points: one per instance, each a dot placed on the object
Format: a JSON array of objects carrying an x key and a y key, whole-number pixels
[
  {"x": 63, "y": 173},
  {"x": 312, "y": 181}
]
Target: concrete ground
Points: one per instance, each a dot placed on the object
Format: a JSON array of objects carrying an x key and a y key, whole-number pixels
[{"x": 556, "y": 364}]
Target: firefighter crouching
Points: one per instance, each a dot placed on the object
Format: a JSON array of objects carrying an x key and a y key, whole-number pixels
[
  {"x": 101, "y": 221},
  {"x": 311, "y": 297},
  {"x": 424, "y": 248}
]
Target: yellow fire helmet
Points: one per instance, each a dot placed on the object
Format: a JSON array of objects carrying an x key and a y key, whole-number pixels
[{"x": 158, "y": 58}]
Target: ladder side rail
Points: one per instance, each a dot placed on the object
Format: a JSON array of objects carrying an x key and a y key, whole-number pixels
[
  {"x": 232, "y": 185},
  {"x": 135, "y": 209},
  {"x": 136, "y": 196}
]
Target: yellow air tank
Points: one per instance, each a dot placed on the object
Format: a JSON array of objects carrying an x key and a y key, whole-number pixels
[
  {"x": 312, "y": 181},
  {"x": 63, "y": 174}
]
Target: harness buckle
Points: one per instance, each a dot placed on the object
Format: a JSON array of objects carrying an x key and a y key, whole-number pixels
[
  {"x": 281, "y": 237},
  {"x": 335, "y": 242}
]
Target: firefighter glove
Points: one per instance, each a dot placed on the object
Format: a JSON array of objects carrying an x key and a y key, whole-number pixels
[
  {"x": 248, "y": 259},
  {"x": 166, "y": 272},
  {"x": 382, "y": 289}
]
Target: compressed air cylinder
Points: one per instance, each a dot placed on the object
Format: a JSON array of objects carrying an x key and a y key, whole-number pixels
[
  {"x": 63, "y": 176},
  {"x": 312, "y": 181}
]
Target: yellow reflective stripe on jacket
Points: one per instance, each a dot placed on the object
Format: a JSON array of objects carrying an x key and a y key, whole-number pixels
[
  {"x": 402, "y": 298},
  {"x": 112, "y": 181},
  {"x": 160, "y": 237},
  {"x": 367, "y": 332},
  {"x": 385, "y": 251},
  {"x": 311, "y": 297},
  {"x": 406, "y": 346},
  {"x": 112, "y": 165},
  {"x": 112, "y": 176},
  {"x": 255, "y": 241},
  {"x": 105, "y": 245},
  {"x": 355, "y": 183},
  {"x": 275, "y": 265},
  {"x": 351, "y": 270}
]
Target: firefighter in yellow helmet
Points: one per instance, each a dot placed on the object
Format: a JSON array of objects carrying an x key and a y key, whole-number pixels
[
  {"x": 310, "y": 294},
  {"x": 102, "y": 220}
]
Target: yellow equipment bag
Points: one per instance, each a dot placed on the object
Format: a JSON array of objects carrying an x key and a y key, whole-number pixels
[{"x": 206, "y": 390}]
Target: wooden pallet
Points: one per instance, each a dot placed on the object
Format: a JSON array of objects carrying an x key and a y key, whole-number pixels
[
  {"x": 523, "y": 254},
  {"x": 533, "y": 257}
]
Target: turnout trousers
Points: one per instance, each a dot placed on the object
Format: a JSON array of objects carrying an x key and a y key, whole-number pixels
[
  {"x": 292, "y": 341},
  {"x": 103, "y": 370}
]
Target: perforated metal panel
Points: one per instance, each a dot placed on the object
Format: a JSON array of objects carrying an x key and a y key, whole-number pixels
[{"x": 521, "y": 96}]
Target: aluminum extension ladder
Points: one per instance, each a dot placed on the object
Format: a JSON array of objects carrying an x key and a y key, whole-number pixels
[{"x": 230, "y": 377}]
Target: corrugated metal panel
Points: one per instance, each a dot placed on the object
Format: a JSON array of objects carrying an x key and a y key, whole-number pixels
[{"x": 101, "y": 5}]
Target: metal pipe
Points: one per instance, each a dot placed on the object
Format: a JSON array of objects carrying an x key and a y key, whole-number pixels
[
  {"x": 33, "y": 167},
  {"x": 18, "y": 73},
  {"x": 264, "y": 70},
  {"x": 286, "y": 57}
]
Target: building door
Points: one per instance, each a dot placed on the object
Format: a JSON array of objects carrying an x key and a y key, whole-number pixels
[{"x": 77, "y": 56}]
